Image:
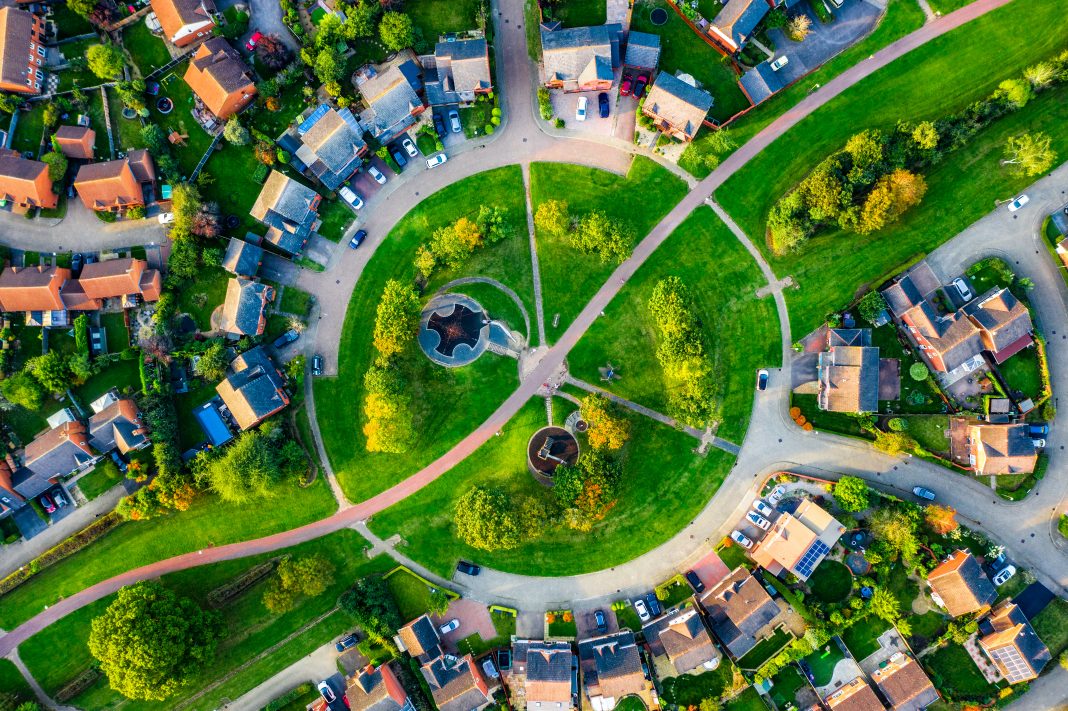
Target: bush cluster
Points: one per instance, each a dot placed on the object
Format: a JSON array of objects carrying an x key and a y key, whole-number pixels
[
  {"x": 98, "y": 528},
  {"x": 682, "y": 353}
]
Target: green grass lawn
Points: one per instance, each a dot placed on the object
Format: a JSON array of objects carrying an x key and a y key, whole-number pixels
[
  {"x": 830, "y": 268},
  {"x": 926, "y": 628},
  {"x": 208, "y": 522},
  {"x": 70, "y": 78},
  {"x": 234, "y": 188},
  {"x": 115, "y": 331},
  {"x": 677, "y": 592},
  {"x": 748, "y": 700},
  {"x": 953, "y": 672},
  {"x": 627, "y": 618},
  {"x": 831, "y": 581},
  {"x": 207, "y": 293},
  {"x": 411, "y": 594},
  {"x": 571, "y": 277},
  {"x": 448, "y": 402},
  {"x": 189, "y": 431},
  {"x": 765, "y": 649},
  {"x": 1051, "y": 626},
  {"x": 840, "y": 422},
  {"x": 13, "y": 687},
  {"x": 272, "y": 123},
  {"x": 124, "y": 376},
  {"x": 904, "y": 588},
  {"x": 295, "y": 301},
  {"x": 580, "y": 13},
  {"x": 147, "y": 50},
  {"x": 733, "y": 556},
  {"x": 336, "y": 217},
  {"x": 125, "y": 132},
  {"x": 823, "y": 661},
  {"x": 948, "y": 6},
  {"x": 68, "y": 22},
  {"x": 475, "y": 645},
  {"x": 104, "y": 476},
  {"x": 436, "y": 17},
  {"x": 741, "y": 331},
  {"x": 630, "y": 703},
  {"x": 682, "y": 50},
  {"x": 930, "y": 431},
  {"x": 500, "y": 307},
  {"x": 249, "y": 628},
  {"x": 691, "y": 689},
  {"x": 559, "y": 627},
  {"x": 786, "y": 684},
  {"x": 650, "y": 507},
  {"x": 173, "y": 86},
  {"x": 29, "y": 130},
  {"x": 1023, "y": 373},
  {"x": 861, "y": 639}
]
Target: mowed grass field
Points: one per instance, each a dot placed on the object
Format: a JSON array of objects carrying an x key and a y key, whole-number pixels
[
  {"x": 741, "y": 331},
  {"x": 663, "y": 486},
  {"x": 449, "y": 402},
  {"x": 941, "y": 77}
]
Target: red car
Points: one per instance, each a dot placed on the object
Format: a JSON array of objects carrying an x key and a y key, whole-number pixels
[
  {"x": 624, "y": 88},
  {"x": 256, "y": 37},
  {"x": 639, "y": 86},
  {"x": 49, "y": 505}
]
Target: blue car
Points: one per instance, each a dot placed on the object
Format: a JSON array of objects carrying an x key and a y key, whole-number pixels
[
  {"x": 286, "y": 338},
  {"x": 357, "y": 239},
  {"x": 1038, "y": 429}
]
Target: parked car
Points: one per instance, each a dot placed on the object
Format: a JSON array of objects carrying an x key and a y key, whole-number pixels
[
  {"x": 253, "y": 40},
  {"x": 409, "y": 147},
  {"x": 640, "y": 84},
  {"x": 317, "y": 364},
  {"x": 449, "y": 626},
  {"x": 349, "y": 196},
  {"x": 1019, "y": 202},
  {"x": 326, "y": 691},
  {"x": 963, "y": 290},
  {"x": 580, "y": 110},
  {"x": 1039, "y": 443},
  {"x": 165, "y": 218},
  {"x": 654, "y": 604},
  {"x": 601, "y": 621},
  {"x": 76, "y": 263},
  {"x": 642, "y": 610},
  {"x": 454, "y": 121},
  {"x": 119, "y": 461},
  {"x": 346, "y": 642},
  {"x": 439, "y": 125},
  {"x": 923, "y": 493},
  {"x": 694, "y": 581},
  {"x": 625, "y": 87},
  {"x": 1003, "y": 577},
  {"x": 739, "y": 538},
  {"x": 762, "y": 380},
  {"x": 468, "y": 568},
  {"x": 435, "y": 161},
  {"x": 779, "y": 63},
  {"x": 357, "y": 239},
  {"x": 398, "y": 155},
  {"x": 286, "y": 338},
  {"x": 90, "y": 258},
  {"x": 758, "y": 520},
  {"x": 602, "y": 104},
  {"x": 1038, "y": 429},
  {"x": 760, "y": 507},
  {"x": 376, "y": 174},
  {"x": 776, "y": 494},
  {"x": 60, "y": 497},
  {"x": 48, "y": 503}
]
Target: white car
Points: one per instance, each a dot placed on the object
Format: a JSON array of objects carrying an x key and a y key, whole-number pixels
[
  {"x": 1018, "y": 203},
  {"x": 776, "y": 494},
  {"x": 758, "y": 520},
  {"x": 326, "y": 692},
  {"x": 779, "y": 63},
  {"x": 449, "y": 626},
  {"x": 643, "y": 611},
  {"x": 409, "y": 147},
  {"x": 760, "y": 507},
  {"x": 376, "y": 174},
  {"x": 166, "y": 218},
  {"x": 962, "y": 289},
  {"x": 580, "y": 112},
  {"x": 1039, "y": 443},
  {"x": 1003, "y": 577},
  {"x": 739, "y": 538},
  {"x": 437, "y": 160},
  {"x": 350, "y": 197}
]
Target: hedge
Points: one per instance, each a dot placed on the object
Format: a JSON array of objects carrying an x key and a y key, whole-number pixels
[{"x": 103, "y": 525}]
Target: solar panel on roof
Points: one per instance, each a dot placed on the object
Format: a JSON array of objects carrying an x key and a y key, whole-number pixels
[
  {"x": 812, "y": 556},
  {"x": 307, "y": 123}
]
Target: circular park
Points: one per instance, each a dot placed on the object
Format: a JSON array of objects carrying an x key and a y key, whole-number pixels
[
  {"x": 547, "y": 449},
  {"x": 453, "y": 330}
]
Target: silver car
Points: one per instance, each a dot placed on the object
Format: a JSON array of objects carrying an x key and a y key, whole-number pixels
[{"x": 376, "y": 174}]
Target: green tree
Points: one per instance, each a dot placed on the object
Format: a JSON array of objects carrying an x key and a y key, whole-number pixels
[
  {"x": 105, "y": 60},
  {"x": 871, "y": 306},
  {"x": 608, "y": 429},
  {"x": 897, "y": 529},
  {"x": 925, "y": 135},
  {"x": 361, "y": 19},
  {"x": 439, "y": 602},
  {"x": 1041, "y": 75},
  {"x": 57, "y": 165},
  {"x": 9, "y": 103},
  {"x": 329, "y": 65},
  {"x": 552, "y": 217},
  {"x": 51, "y": 371},
  {"x": 884, "y": 605},
  {"x": 586, "y": 491},
  {"x": 22, "y": 390},
  {"x": 387, "y": 407},
  {"x": 373, "y": 607},
  {"x": 150, "y": 642},
  {"x": 247, "y": 470},
  {"x": 397, "y": 318},
  {"x": 1029, "y": 154},
  {"x": 212, "y": 362},
  {"x": 1018, "y": 92},
  {"x": 598, "y": 234},
  {"x": 235, "y": 133},
  {"x": 396, "y": 31},
  {"x": 82, "y": 7},
  {"x": 893, "y": 443},
  {"x": 919, "y": 372},
  {"x": 329, "y": 32},
  {"x": 184, "y": 262},
  {"x": 297, "y": 578},
  {"x": 485, "y": 519},
  {"x": 852, "y": 494},
  {"x": 866, "y": 149},
  {"x": 80, "y": 368}
]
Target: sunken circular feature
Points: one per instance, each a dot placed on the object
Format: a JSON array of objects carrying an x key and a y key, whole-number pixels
[
  {"x": 658, "y": 16},
  {"x": 453, "y": 330},
  {"x": 547, "y": 449}
]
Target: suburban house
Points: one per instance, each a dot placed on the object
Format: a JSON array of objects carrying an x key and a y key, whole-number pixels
[
  {"x": 242, "y": 258},
  {"x": 185, "y": 21},
  {"x": 457, "y": 72},
  {"x": 580, "y": 58},
  {"x": 22, "y": 34},
  {"x": 56, "y": 453},
  {"x": 902, "y": 681},
  {"x": 220, "y": 78},
  {"x": 611, "y": 669},
  {"x": 420, "y": 639},
  {"x": 254, "y": 389},
  {"x": 127, "y": 279},
  {"x": 75, "y": 141},
  {"x": 643, "y": 52},
  {"x": 948, "y": 343},
  {"x": 799, "y": 542},
  {"x": 116, "y": 185},
  {"x": 760, "y": 83},
  {"x": 854, "y": 696},
  {"x": 25, "y": 184},
  {"x": 35, "y": 290},
  {"x": 735, "y": 23},
  {"x": 540, "y": 677},
  {"x": 1010, "y": 642},
  {"x": 330, "y": 145},
  {"x": 457, "y": 683},
  {"x": 676, "y": 106},
  {"x": 392, "y": 94},
  {"x": 290, "y": 211},
  {"x": 1004, "y": 323},
  {"x": 680, "y": 644},
  {"x": 959, "y": 584},
  {"x": 377, "y": 690},
  {"x": 1001, "y": 449},
  {"x": 117, "y": 425},
  {"x": 244, "y": 311},
  {"x": 848, "y": 372},
  {"x": 740, "y": 612}
]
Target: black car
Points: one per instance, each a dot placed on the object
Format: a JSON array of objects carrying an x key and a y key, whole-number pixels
[
  {"x": 695, "y": 581},
  {"x": 317, "y": 366},
  {"x": 346, "y": 642},
  {"x": 439, "y": 125},
  {"x": 119, "y": 461},
  {"x": 286, "y": 338},
  {"x": 639, "y": 86},
  {"x": 654, "y": 604},
  {"x": 602, "y": 104},
  {"x": 76, "y": 262},
  {"x": 602, "y": 623},
  {"x": 398, "y": 155},
  {"x": 468, "y": 568}
]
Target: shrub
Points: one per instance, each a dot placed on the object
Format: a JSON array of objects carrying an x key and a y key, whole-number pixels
[
  {"x": 898, "y": 424},
  {"x": 545, "y": 104},
  {"x": 1062, "y": 525},
  {"x": 918, "y": 372},
  {"x": 98, "y": 528},
  {"x": 560, "y": 123}
]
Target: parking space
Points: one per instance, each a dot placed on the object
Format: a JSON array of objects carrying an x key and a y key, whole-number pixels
[
  {"x": 711, "y": 569},
  {"x": 586, "y": 621},
  {"x": 474, "y": 617},
  {"x": 853, "y": 21},
  {"x": 28, "y": 522},
  {"x": 566, "y": 106}
]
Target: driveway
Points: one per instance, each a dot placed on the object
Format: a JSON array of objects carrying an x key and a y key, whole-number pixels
[
  {"x": 267, "y": 18},
  {"x": 79, "y": 230},
  {"x": 853, "y": 21},
  {"x": 474, "y": 618}
]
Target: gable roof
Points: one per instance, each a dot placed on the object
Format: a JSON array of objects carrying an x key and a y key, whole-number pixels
[
  {"x": 32, "y": 288},
  {"x": 460, "y": 66},
  {"x": 390, "y": 92},
  {"x": 580, "y": 54},
  {"x": 117, "y": 426},
  {"x": 1002, "y": 318},
  {"x": 739, "y": 609},
  {"x": 219, "y": 76},
  {"x": 111, "y": 183},
  {"x": 854, "y": 696},
  {"x": 917, "y": 284},
  {"x": 903, "y": 682},
  {"x": 376, "y": 690},
  {"x": 173, "y": 15},
  {"x": 961, "y": 584},
  {"x": 118, "y": 277},
  {"x": 456, "y": 684},
  {"x": 739, "y": 18},
  {"x": 952, "y": 336},
  {"x": 289, "y": 209},
  {"x": 76, "y": 141},
  {"x": 244, "y": 311},
  {"x": 57, "y": 452},
  {"x": 611, "y": 665},
  {"x": 798, "y": 542},
  {"x": 1013, "y": 645},
  {"x": 683, "y": 638},
  {"x": 1002, "y": 448},
  {"x": 643, "y": 50},
  {"x": 254, "y": 389},
  {"x": 546, "y": 667},
  {"x": 26, "y": 182},
  {"x": 849, "y": 379},
  {"x": 681, "y": 104},
  {"x": 16, "y": 31},
  {"x": 242, "y": 258},
  {"x": 331, "y": 147},
  {"x": 420, "y": 638}
]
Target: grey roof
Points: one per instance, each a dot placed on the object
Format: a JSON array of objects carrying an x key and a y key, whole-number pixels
[
  {"x": 739, "y": 609},
  {"x": 547, "y": 667},
  {"x": 849, "y": 337},
  {"x": 377, "y": 689},
  {"x": 849, "y": 379},
  {"x": 739, "y": 18},
  {"x": 1027, "y": 642},
  {"x": 245, "y": 306},
  {"x": 1001, "y": 316},
  {"x": 117, "y": 425},
  {"x": 332, "y": 146},
  {"x": 289, "y": 209},
  {"x": 681, "y": 104},
  {"x": 391, "y": 96},
  {"x": 255, "y": 381},
  {"x": 911, "y": 288},
  {"x": 242, "y": 258},
  {"x": 683, "y": 638},
  {"x": 57, "y": 452},
  {"x": 643, "y": 50},
  {"x": 581, "y": 54},
  {"x": 461, "y": 66},
  {"x": 421, "y": 639},
  {"x": 611, "y": 665},
  {"x": 454, "y": 684},
  {"x": 760, "y": 82}
]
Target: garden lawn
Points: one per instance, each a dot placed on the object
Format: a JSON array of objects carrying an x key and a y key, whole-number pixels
[
  {"x": 953, "y": 672},
  {"x": 249, "y": 629},
  {"x": 947, "y": 6},
  {"x": 12, "y": 684},
  {"x": 639, "y": 200},
  {"x": 189, "y": 432},
  {"x": 437, "y": 17},
  {"x": 336, "y": 217},
  {"x": 68, "y": 22},
  {"x": 930, "y": 432},
  {"x": 650, "y": 507},
  {"x": 580, "y": 13},
  {"x": 559, "y": 627},
  {"x": 503, "y": 623},
  {"x": 411, "y": 594},
  {"x": 862, "y": 637},
  {"x": 173, "y": 86},
  {"x": 741, "y": 332},
  {"x": 630, "y": 703},
  {"x": 831, "y": 581},
  {"x": 148, "y": 51},
  {"x": 627, "y": 618},
  {"x": 235, "y": 188},
  {"x": 1023, "y": 373},
  {"x": 104, "y": 476},
  {"x": 125, "y": 132},
  {"x": 207, "y": 292},
  {"x": 786, "y": 684},
  {"x": 682, "y": 50},
  {"x": 823, "y": 662},
  {"x": 748, "y": 700},
  {"x": 733, "y": 555},
  {"x": 940, "y": 77},
  {"x": 124, "y": 376},
  {"x": 208, "y": 522},
  {"x": 1051, "y": 626},
  {"x": 70, "y": 78},
  {"x": 840, "y": 422},
  {"x": 887, "y": 340},
  {"x": 448, "y": 402},
  {"x": 115, "y": 332},
  {"x": 765, "y": 650},
  {"x": 295, "y": 301},
  {"x": 690, "y": 689},
  {"x": 904, "y": 588},
  {"x": 29, "y": 130},
  {"x": 926, "y": 628}
]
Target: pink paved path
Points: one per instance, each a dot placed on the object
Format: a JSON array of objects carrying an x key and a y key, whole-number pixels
[{"x": 552, "y": 359}]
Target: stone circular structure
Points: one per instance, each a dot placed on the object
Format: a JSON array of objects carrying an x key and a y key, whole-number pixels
[
  {"x": 453, "y": 330},
  {"x": 547, "y": 449}
]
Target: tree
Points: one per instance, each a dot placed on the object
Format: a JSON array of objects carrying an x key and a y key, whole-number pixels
[
  {"x": 876, "y": 209},
  {"x": 247, "y": 470},
  {"x": 185, "y": 204},
  {"x": 1016, "y": 91},
  {"x": 1030, "y": 154},
  {"x": 396, "y": 31},
  {"x": 9, "y": 103},
  {"x": 799, "y": 27},
  {"x": 867, "y": 151},
  {"x": 1063, "y": 659},
  {"x": 22, "y": 390},
  {"x": 607, "y": 428},
  {"x": 485, "y": 519},
  {"x": 235, "y": 133},
  {"x": 361, "y": 19},
  {"x": 919, "y": 372},
  {"x": 329, "y": 65},
  {"x": 80, "y": 367},
  {"x": 150, "y": 642},
  {"x": 212, "y": 362},
  {"x": 387, "y": 407},
  {"x": 132, "y": 93},
  {"x": 51, "y": 371},
  {"x": 296, "y": 578},
  {"x": 105, "y": 60},
  {"x": 586, "y": 491},
  {"x": 852, "y": 494},
  {"x": 598, "y": 234},
  {"x": 57, "y": 165},
  {"x": 439, "y": 602},
  {"x": 82, "y": 7},
  {"x": 941, "y": 519},
  {"x": 329, "y": 31},
  {"x": 552, "y": 217},
  {"x": 906, "y": 190},
  {"x": 893, "y": 442},
  {"x": 897, "y": 529},
  {"x": 884, "y": 605},
  {"x": 925, "y": 135},
  {"x": 273, "y": 52},
  {"x": 871, "y": 306},
  {"x": 372, "y": 605},
  {"x": 397, "y": 318}
]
